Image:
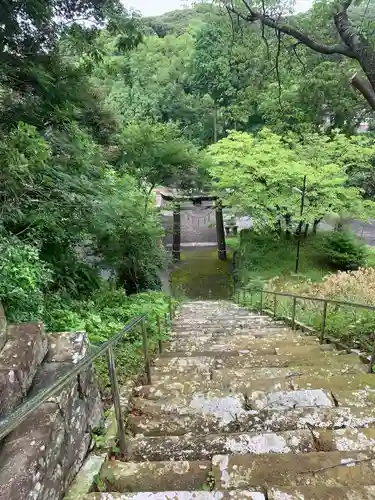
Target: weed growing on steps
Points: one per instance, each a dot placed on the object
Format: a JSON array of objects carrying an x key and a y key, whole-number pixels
[{"x": 209, "y": 485}]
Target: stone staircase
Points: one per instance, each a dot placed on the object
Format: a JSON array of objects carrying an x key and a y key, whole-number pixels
[{"x": 242, "y": 407}]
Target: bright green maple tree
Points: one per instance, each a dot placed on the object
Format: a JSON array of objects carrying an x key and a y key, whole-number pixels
[{"x": 255, "y": 174}]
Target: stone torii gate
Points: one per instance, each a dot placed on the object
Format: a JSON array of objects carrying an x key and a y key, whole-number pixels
[{"x": 197, "y": 200}]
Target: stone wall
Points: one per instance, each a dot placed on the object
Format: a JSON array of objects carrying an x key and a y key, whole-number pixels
[{"x": 40, "y": 458}]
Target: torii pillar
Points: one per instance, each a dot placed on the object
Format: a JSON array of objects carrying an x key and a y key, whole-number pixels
[
  {"x": 220, "y": 233},
  {"x": 176, "y": 245}
]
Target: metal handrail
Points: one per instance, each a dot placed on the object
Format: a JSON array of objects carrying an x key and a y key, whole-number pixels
[
  {"x": 318, "y": 299},
  {"x": 324, "y": 301},
  {"x": 11, "y": 421}
]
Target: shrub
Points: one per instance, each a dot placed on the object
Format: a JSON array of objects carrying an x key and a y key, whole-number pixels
[
  {"x": 24, "y": 278},
  {"x": 343, "y": 250},
  {"x": 354, "y": 326}
]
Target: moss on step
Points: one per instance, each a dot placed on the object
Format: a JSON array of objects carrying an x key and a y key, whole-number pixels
[
  {"x": 200, "y": 274},
  {"x": 85, "y": 478},
  {"x": 154, "y": 476}
]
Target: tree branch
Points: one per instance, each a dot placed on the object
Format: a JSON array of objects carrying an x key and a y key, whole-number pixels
[
  {"x": 365, "y": 88},
  {"x": 282, "y": 26}
]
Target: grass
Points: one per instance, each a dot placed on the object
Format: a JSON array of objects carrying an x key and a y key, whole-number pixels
[
  {"x": 268, "y": 261},
  {"x": 263, "y": 257}
]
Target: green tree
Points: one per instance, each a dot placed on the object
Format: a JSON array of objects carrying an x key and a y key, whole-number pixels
[
  {"x": 156, "y": 154},
  {"x": 255, "y": 174},
  {"x": 345, "y": 38}
]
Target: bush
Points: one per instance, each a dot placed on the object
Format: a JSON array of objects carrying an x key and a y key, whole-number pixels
[
  {"x": 104, "y": 315},
  {"x": 343, "y": 250},
  {"x": 354, "y": 326},
  {"x": 24, "y": 278}
]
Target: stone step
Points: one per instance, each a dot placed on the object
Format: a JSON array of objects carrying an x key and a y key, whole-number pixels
[
  {"x": 248, "y": 374},
  {"x": 249, "y": 360},
  {"x": 193, "y": 346},
  {"x": 358, "y": 399},
  {"x": 258, "y": 331},
  {"x": 215, "y": 350},
  {"x": 321, "y": 492},
  {"x": 184, "y": 385},
  {"x": 181, "y": 495},
  {"x": 280, "y": 335},
  {"x": 152, "y": 418},
  {"x": 154, "y": 476},
  {"x": 215, "y": 323},
  {"x": 205, "y": 446},
  {"x": 176, "y": 384},
  {"x": 335, "y": 468},
  {"x": 320, "y": 358}
]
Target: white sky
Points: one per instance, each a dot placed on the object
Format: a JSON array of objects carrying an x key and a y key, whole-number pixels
[{"x": 157, "y": 7}]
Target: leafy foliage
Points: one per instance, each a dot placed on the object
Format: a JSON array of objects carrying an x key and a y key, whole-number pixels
[
  {"x": 344, "y": 251},
  {"x": 256, "y": 174},
  {"x": 24, "y": 279}
]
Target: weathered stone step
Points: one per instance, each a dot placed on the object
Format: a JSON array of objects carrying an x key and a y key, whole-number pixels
[
  {"x": 249, "y": 360},
  {"x": 335, "y": 468},
  {"x": 180, "y": 385},
  {"x": 204, "y": 447},
  {"x": 283, "y": 360},
  {"x": 176, "y": 385},
  {"x": 152, "y": 418},
  {"x": 215, "y": 324},
  {"x": 154, "y": 476},
  {"x": 355, "y": 381},
  {"x": 350, "y": 439},
  {"x": 191, "y": 346},
  {"x": 215, "y": 350},
  {"x": 358, "y": 399},
  {"x": 257, "y": 331},
  {"x": 248, "y": 374},
  {"x": 280, "y": 335},
  {"x": 321, "y": 492},
  {"x": 181, "y": 495},
  {"x": 182, "y": 363}
]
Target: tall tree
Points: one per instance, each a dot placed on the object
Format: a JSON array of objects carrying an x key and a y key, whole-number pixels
[{"x": 350, "y": 39}]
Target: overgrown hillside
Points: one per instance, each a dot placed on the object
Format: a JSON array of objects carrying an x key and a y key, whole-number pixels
[{"x": 95, "y": 114}]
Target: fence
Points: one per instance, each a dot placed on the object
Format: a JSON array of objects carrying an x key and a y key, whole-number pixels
[
  {"x": 19, "y": 415},
  {"x": 264, "y": 294}
]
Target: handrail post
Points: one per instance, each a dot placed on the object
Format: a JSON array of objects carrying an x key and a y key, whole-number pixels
[
  {"x": 145, "y": 352},
  {"x": 372, "y": 359},
  {"x": 261, "y": 301},
  {"x": 324, "y": 321},
  {"x": 251, "y": 298},
  {"x": 274, "y": 304},
  {"x": 294, "y": 313},
  {"x": 116, "y": 400},
  {"x": 159, "y": 334}
]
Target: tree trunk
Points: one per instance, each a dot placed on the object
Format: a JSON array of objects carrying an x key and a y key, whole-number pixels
[
  {"x": 315, "y": 225},
  {"x": 306, "y": 232},
  {"x": 214, "y": 118}
]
